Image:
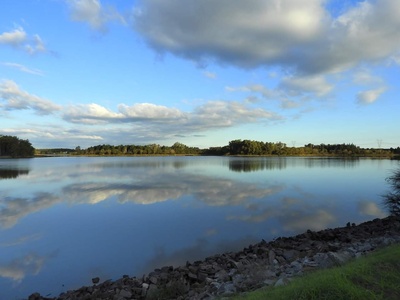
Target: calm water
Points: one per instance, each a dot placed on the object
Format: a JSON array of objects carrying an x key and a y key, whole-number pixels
[{"x": 64, "y": 220}]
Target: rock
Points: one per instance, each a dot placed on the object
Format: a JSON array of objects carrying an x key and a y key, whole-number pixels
[
  {"x": 95, "y": 280},
  {"x": 281, "y": 281},
  {"x": 34, "y": 296},
  {"x": 340, "y": 258},
  {"x": 271, "y": 257},
  {"x": 125, "y": 294},
  {"x": 290, "y": 255},
  {"x": 273, "y": 263},
  {"x": 153, "y": 279}
]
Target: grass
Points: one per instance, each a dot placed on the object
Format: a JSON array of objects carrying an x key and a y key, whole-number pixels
[{"x": 375, "y": 276}]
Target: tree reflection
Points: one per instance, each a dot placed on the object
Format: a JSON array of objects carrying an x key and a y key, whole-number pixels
[
  {"x": 254, "y": 165},
  {"x": 12, "y": 174},
  {"x": 392, "y": 199}
]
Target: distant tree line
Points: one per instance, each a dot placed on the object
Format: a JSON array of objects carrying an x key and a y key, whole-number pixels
[
  {"x": 151, "y": 149},
  {"x": 240, "y": 147},
  {"x": 11, "y": 146},
  {"x": 249, "y": 147}
]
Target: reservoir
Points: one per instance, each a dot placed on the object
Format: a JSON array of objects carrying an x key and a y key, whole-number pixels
[{"x": 65, "y": 220}]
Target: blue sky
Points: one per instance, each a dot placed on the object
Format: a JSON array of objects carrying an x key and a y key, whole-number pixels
[{"x": 88, "y": 72}]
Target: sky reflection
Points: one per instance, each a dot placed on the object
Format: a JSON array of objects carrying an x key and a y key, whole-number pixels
[{"x": 70, "y": 219}]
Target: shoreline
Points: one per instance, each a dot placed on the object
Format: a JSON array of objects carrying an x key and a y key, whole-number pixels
[{"x": 270, "y": 263}]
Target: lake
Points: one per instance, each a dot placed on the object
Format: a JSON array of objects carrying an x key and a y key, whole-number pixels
[{"x": 65, "y": 220}]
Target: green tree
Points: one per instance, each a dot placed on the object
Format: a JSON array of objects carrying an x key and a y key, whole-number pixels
[
  {"x": 15, "y": 147},
  {"x": 392, "y": 199}
]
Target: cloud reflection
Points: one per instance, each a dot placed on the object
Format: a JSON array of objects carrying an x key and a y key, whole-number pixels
[
  {"x": 12, "y": 209},
  {"x": 18, "y": 268},
  {"x": 200, "y": 249},
  {"x": 211, "y": 191},
  {"x": 370, "y": 208},
  {"x": 146, "y": 188},
  {"x": 21, "y": 240},
  {"x": 293, "y": 214}
]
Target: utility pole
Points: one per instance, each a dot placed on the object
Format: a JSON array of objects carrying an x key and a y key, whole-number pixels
[{"x": 379, "y": 141}]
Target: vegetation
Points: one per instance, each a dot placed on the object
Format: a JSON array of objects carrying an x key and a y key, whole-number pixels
[
  {"x": 392, "y": 199},
  {"x": 235, "y": 147},
  {"x": 152, "y": 149},
  {"x": 375, "y": 276},
  {"x": 11, "y": 146}
]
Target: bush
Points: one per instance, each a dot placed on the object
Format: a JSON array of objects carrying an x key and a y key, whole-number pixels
[{"x": 392, "y": 199}]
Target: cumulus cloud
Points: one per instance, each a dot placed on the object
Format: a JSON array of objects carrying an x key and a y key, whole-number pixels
[
  {"x": 316, "y": 85},
  {"x": 93, "y": 13},
  {"x": 291, "y": 92},
  {"x": 140, "y": 111},
  {"x": 18, "y": 38},
  {"x": 231, "y": 31},
  {"x": 17, "y": 99},
  {"x": 299, "y": 36},
  {"x": 369, "y": 96},
  {"x": 36, "y": 46},
  {"x": 13, "y": 38},
  {"x": 156, "y": 118}
]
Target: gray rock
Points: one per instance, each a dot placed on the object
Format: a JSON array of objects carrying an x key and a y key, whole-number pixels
[
  {"x": 95, "y": 280},
  {"x": 125, "y": 294},
  {"x": 271, "y": 257},
  {"x": 290, "y": 255},
  {"x": 281, "y": 281}
]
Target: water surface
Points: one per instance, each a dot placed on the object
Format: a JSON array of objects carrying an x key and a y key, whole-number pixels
[{"x": 66, "y": 220}]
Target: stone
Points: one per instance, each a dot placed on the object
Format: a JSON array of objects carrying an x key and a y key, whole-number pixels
[
  {"x": 290, "y": 255},
  {"x": 271, "y": 257},
  {"x": 34, "y": 296},
  {"x": 272, "y": 263},
  {"x": 95, "y": 280},
  {"x": 153, "y": 279},
  {"x": 281, "y": 281},
  {"x": 340, "y": 258},
  {"x": 125, "y": 294}
]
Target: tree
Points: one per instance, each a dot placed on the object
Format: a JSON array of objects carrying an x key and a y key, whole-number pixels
[
  {"x": 15, "y": 147},
  {"x": 392, "y": 199}
]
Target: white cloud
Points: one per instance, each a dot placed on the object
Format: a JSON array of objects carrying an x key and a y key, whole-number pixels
[
  {"x": 149, "y": 118},
  {"x": 17, "y": 99},
  {"x": 140, "y": 111},
  {"x": 370, "y": 96},
  {"x": 13, "y": 38},
  {"x": 364, "y": 77},
  {"x": 210, "y": 75},
  {"x": 22, "y": 68},
  {"x": 316, "y": 85},
  {"x": 18, "y": 38},
  {"x": 37, "y": 45},
  {"x": 93, "y": 13},
  {"x": 89, "y": 114},
  {"x": 243, "y": 33},
  {"x": 298, "y": 35}
]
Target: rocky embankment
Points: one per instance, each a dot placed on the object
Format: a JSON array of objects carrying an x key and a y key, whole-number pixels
[{"x": 266, "y": 263}]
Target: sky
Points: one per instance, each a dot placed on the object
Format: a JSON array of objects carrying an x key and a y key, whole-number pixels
[{"x": 200, "y": 72}]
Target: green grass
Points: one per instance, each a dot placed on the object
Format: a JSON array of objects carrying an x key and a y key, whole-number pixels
[{"x": 375, "y": 276}]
